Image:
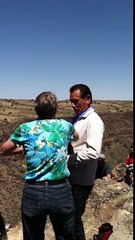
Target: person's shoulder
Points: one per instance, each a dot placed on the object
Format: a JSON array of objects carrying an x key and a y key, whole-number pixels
[
  {"x": 95, "y": 116},
  {"x": 92, "y": 112},
  {"x": 66, "y": 124},
  {"x": 28, "y": 124},
  {"x": 65, "y": 121}
]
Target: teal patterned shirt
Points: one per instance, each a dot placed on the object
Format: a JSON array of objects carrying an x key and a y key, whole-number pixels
[{"x": 45, "y": 143}]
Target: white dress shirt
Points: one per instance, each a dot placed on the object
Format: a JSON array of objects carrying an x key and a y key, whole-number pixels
[{"x": 90, "y": 128}]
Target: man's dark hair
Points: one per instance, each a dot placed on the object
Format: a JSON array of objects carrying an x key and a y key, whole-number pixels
[{"x": 84, "y": 90}]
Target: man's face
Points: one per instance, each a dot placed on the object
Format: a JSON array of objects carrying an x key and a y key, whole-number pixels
[{"x": 79, "y": 104}]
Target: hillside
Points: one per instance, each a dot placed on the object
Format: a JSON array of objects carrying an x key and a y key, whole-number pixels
[
  {"x": 118, "y": 119},
  {"x": 117, "y": 116}
]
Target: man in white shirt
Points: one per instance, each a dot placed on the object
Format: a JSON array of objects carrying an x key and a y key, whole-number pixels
[{"x": 83, "y": 161}]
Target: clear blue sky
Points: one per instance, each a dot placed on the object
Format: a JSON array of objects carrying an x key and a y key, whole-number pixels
[{"x": 49, "y": 45}]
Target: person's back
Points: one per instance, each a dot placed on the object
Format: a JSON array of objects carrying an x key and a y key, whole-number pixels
[
  {"x": 47, "y": 190},
  {"x": 45, "y": 144}
]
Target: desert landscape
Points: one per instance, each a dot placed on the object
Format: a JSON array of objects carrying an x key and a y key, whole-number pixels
[
  {"x": 117, "y": 116},
  {"x": 118, "y": 137}
]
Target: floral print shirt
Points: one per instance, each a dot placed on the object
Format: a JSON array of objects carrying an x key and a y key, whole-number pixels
[{"x": 45, "y": 145}]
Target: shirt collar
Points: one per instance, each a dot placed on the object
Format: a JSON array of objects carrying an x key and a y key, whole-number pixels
[{"x": 83, "y": 114}]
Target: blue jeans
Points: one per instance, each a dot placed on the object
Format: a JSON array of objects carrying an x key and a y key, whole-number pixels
[
  {"x": 55, "y": 201},
  {"x": 80, "y": 195}
]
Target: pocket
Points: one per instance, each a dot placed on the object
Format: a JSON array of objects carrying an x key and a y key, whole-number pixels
[
  {"x": 63, "y": 191},
  {"x": 63, "y": 200},
  {"x": 31, "y": 201}
]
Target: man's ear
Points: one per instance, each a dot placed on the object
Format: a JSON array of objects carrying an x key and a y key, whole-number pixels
[{"x": 88, "y": 98}]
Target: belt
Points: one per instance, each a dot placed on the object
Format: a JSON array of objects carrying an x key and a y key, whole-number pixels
[{"x": 46, "y": 182}]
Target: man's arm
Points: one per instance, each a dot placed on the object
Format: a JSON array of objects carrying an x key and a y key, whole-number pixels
[{"x": 94, "y": 134}]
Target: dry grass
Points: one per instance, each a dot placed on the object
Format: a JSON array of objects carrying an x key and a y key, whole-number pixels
[{"x": 11, "y": 109}]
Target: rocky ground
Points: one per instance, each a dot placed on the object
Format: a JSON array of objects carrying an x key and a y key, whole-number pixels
[{"x": 111, "y": 202}]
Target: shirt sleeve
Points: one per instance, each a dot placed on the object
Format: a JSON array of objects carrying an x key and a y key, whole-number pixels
[
  {"x": 69, "y": 130},
  {"x": 94, "y": 136},
  {"x": 18, "y": 137}
]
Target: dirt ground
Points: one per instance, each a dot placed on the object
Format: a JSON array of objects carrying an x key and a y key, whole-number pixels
[{"x": 118, "y": 136}]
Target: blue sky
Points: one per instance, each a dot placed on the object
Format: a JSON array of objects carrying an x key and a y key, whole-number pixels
[{"x": 50, "y": 45}]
